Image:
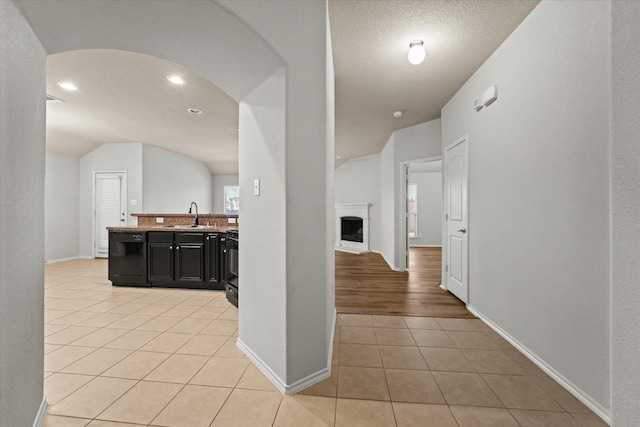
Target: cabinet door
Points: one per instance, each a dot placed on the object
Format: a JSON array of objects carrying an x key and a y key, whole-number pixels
[
  {"x": 190, "y": 257},
  {"x": 214, "y": 261},
  {"x": 160, "y": 262}
]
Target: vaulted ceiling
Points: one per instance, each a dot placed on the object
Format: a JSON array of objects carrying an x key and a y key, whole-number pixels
[{"x": 126, "y": 97}]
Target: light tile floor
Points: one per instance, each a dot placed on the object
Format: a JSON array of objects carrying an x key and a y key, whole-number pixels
[{"x": 118, "y": 356}]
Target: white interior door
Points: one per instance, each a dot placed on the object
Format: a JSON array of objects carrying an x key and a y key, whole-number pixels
[
  {"x": 110, "y": 208},
  {"x": 456, "y": 219}
]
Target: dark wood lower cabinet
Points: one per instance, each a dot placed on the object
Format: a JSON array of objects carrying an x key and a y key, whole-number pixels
[{"x": 215, "y": 260}]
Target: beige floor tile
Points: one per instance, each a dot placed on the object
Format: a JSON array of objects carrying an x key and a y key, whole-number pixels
[
  {"x": 230, "y": 349},
  {"x": 204, "y": 345},
  {"x": 219, "y": 302},
  {"x": 167, "y": 342},
  {"x": 221, "y": 327},
  {"x": 362, "y": 383},
  {"x": 544, "y": 419},
  {"x": 364, "y": 413},
  {"x": 104, "y": 306},
  {"x": 561, "y": 395},
  {"x": 136, "y": 366},
  {"x": 50, "y": 329},
  {"x": 335, "y": 353},
  {"x": 60, "y": 421},
  {"x": 398, "y": 357},
  {"x": 129, "y": 307},
  {"x": 58, "y": 386},
  {"x": 589, "y": 420},
  {"x": 230, "y": 313},
  {"x": 308, "y": 411},
  {"x": 190, "y": 325},
  {"x": 254, "y": 379},
  {"x": 479, "y": 340},
  {"x": 248, "y": 408},
  {"x": 518, "y": 392},
  {"x": 142, "y": 403},
  {"x": 69, "y": 304},
  {"x": 154, "y": 309},
  {"x": 432, "y": 338},
  {"x": 97, "y": 362},
  {"x": 92, "y": 398},
  {"x": 159, "y": 323},
  {"x": 526, "y": 365},
  {"x": 100, "y": 423},
  {"x": 221, "y": 372},
  {"x": 466, "y": 389},
  {"x": 357, "y": 335},
  {"x": 413, "y": 386},
  {"x": 389, "y": 336},
  {"x": 423, "y": 415},
  {"x": 193, "y": 406},
  {"x": 100, "y": 338},
  {"x": 483, "y": 417},
  {"x": 470, "y": 325},
  {"x": 327, "y": 387},
  {"x": 198, "y": 299},
  {"x": 69, "y": 334},
  {"x": 396, "y": 322},
  {"x": 74, "y": 318},
  {"x": 133, "y": 340},
  {"x": 207, "y": 312},
  {"x": 421, "y": 322},
  {"x": 48, "y": 348},
  {"x": 178, "y": 368},
  {"x": 131, "y": 321},
  {"x": 363, "y": 320},
  {"x": 65, "y": 356},
  {"x": 360, "y": 355},
  {"x": 181, "y": 311},
  {"x": 446, "y": 359},
  {"x": 51, "y": 315},
  {"x": 492, "y": 362}
]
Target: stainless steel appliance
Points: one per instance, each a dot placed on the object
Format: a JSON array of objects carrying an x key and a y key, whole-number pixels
[{"x": 231, "y": 266}]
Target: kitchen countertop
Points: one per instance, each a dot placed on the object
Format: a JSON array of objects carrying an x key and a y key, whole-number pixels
[{"x": 179, "y": 228}]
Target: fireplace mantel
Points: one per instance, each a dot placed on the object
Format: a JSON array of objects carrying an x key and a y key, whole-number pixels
[{"x": 360, "y": 210}]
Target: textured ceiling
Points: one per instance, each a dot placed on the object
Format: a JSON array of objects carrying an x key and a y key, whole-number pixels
[{"x": 125, "y": 97}]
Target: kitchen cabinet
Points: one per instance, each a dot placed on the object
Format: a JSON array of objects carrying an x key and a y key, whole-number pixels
[
  {"x": 189, "y": 258},
  {"x": 215, "y": 260},
  {"x": 160, "y": 257}
]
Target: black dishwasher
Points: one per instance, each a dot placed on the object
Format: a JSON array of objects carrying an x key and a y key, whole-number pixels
[{"x": 128, "y": 258}]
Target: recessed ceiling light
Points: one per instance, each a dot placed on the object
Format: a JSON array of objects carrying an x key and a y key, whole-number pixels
[
  {"x": 68, "y": 85},
  {"x": 175, "y": 79},
  {"x": 194, "y": 111},
  {"x": 397, "y": 114},
  {"x": 416, "y": 52}
]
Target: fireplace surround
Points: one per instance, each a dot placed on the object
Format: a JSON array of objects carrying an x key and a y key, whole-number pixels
[{"x": 352, "y": 227}]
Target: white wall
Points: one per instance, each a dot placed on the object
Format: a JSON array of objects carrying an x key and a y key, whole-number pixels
[
  {"x": 539, "y": 190},
  {"x": 358, "y": 181},
  {"x": 108, "y": 157},
  {"x": 388, "y": 201},
  {"x": 22, "y": 165},
  {"x": 61, "y": 207},
  {"x": 429, "y": 208},
  {"x": 625, "y": 211},
  {"x": 172, "y": 181},
  {"x": 219, "y": 181}
]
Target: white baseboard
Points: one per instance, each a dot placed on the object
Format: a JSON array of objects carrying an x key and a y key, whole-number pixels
[
  {"x": 391, "y": 266},
  {"x": 288, "y": 389},
  {"x": 53, "y": 261},
  {"x": 42, "y": 413},
  {"x": 576, "y": 391}
]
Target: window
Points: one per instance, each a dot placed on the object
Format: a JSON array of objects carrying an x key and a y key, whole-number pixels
[
  {"x": 412, "y": 210},
  {"x": 231, "y": 200}
]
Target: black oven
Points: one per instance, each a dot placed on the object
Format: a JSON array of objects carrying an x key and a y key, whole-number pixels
[{"x": 231, "y": 266}]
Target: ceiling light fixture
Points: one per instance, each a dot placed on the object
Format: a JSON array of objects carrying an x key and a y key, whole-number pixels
[
  {"x": 194, "y": 111},
  {"x": 416, "y": 52},
  {"x": 397, "y": 114},
  {"x": 68, "y": 86},
  {"x": 175, "y": 79}
]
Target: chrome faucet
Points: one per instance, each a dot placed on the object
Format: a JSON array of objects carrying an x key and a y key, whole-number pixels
[{"x": 195, "y": 219}]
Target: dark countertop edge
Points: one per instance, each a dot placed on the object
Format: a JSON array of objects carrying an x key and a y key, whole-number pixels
[
  {"x": 187, "y": 215},
  {"x": 211, "y": 229}
]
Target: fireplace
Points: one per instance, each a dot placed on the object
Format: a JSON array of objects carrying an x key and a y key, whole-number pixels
[{"x": 352, "y": 227}]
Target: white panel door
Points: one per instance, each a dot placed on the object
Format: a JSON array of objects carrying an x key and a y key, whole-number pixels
[
  {"x": 456, "y": 220},
  {"x": 110, "y": 208}
]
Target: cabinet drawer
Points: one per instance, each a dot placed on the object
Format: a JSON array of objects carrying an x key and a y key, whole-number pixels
[
  {"x": 160, "y": 237},
  {"x": 189, "y": 237}
]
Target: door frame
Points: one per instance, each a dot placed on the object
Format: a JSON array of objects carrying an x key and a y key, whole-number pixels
[
  {"x": 94, "y": 245},
  {"x": 445, "y": 230},
  {"x": 402, "y": 244}
]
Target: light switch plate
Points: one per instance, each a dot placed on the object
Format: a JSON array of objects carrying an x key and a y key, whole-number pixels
[{"x": 256, "y": 187}]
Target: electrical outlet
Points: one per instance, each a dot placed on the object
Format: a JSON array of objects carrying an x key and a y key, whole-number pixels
[
  {"x": 159, "y": 220},
  {"x": 232, "y": 220}
]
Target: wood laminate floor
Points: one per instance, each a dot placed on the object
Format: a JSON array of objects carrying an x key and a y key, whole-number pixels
[{"x": 366, "y": 284}]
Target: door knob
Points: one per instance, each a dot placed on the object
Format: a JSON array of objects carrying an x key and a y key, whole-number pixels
[{"x": 462, "y": 230}]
